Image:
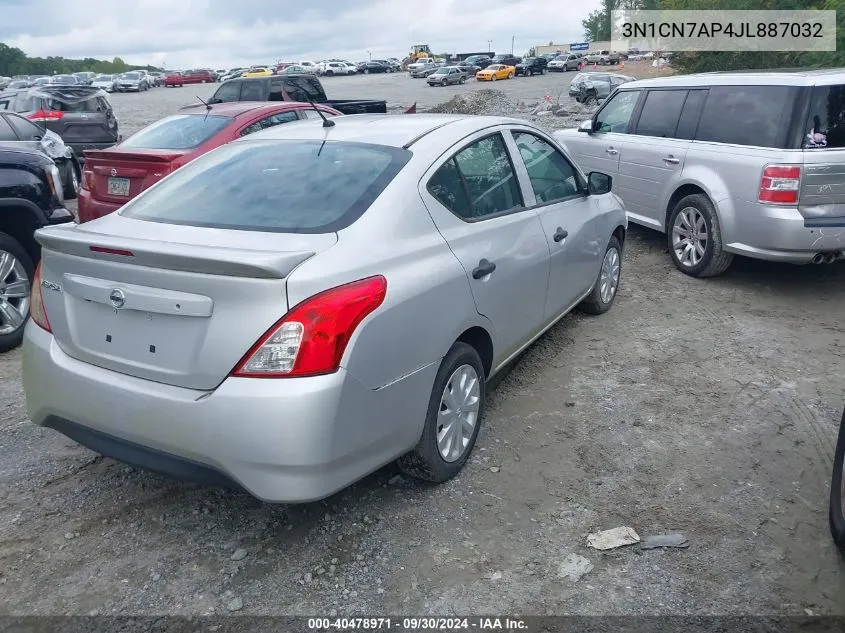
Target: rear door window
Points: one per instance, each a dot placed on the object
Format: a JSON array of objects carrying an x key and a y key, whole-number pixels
[
  {"x": 252, "y": 91},
  {"x": 305, "y": 88},
  {"x": 756, "y": 116},
  {"x": 690, "y": 115},
  {"x": 270, "y": 121},
  {"x": 661, "y": 112},
  {"x": 289, "y": 186},
  {"x": 6, "y": 131},
  {"x": 825, "y": 126}
]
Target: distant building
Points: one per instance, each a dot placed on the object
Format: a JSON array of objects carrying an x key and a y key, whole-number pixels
[{"x": 564, "y": 48}]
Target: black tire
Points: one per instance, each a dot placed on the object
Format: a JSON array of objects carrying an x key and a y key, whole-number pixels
[
  {"x": 837, "y": 492},
  {"x": 425, "y": 461},
  {"x": 715, "y": 260},
  {"x": 11, "y": 245},
  {"x": 329, "y": 73},
  {"x": 590, "y": 99},
  {"x": 463, "y": 80},
  {"x": 445, "y": 83},
  {"x": 71, "y": 180},
  {"x": 594, "y": 304}
]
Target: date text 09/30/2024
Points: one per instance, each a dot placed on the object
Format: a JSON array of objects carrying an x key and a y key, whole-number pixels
[{"x": 417, "y": 624}]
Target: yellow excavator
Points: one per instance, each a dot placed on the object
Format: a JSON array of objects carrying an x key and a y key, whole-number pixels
[{"x": 418, "y": 51}]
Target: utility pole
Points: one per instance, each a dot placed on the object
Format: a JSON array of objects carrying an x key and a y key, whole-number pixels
[
  {"x": 489, "y": 46},
  {"x": 513, "y": 37}
]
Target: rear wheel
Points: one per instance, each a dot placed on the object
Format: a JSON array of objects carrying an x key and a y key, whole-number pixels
[
  {"x": 695, "y": 238},
  {"x": 463, "y": 80},
  {"x": 16, "y": 272},
  {"x": 329, "y": 73},
  {"x": 590, "y": 99},
  {"x": 510, "y": 76},
  {"x": 455, "y": 409},
  {"x": 71, "y": 183},
  {"x": 837, "y": 491}
]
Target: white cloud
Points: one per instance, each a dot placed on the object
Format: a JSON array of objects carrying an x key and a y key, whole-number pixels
[{"x": 214, "y": 33}]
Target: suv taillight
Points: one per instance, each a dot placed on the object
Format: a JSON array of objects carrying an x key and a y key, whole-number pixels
[
  {"x": 43, "y": 116},
  {"x": 780, "y": 184},
  {"x": 36, "y": 303},
  {"x": 311, "y": 338}
]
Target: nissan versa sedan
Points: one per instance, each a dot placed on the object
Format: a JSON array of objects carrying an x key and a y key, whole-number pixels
[{"x": 271, "y": 315}]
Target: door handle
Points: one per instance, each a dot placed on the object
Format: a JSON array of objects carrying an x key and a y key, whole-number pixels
[
  {"x": 671, "y": 160},
  {"x": 560, "y": 234},
  {"x": 483, "y": 269},
  {"x": 611, "y": 151}
]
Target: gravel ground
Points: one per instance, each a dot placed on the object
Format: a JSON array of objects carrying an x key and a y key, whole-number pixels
[{"x": 702, "y": 407}]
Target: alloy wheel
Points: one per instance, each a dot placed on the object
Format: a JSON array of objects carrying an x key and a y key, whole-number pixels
[
  {"x": 458, "y": 414},
  {"x": 609, "y": 277},
  {"x": 14, "y": 293},
  {"x": 689, "y": 237}
]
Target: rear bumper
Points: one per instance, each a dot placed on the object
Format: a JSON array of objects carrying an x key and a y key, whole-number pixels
[
  {"x": 289, "y": 440},
  {"x": 777, "y": 233},
  {"x": 91, "y": 209}
]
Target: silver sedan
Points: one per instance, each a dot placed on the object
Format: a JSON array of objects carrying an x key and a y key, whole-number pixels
[{"x": 296, "y": 309}]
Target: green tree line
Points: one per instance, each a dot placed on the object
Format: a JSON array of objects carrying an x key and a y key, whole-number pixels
[
  {"x": 13, "y": 61},
  {"x": 597, "y": 27}
]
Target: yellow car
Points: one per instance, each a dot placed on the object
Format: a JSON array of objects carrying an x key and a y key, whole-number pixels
[
  {"x": 257, "y": 72},
  {"x": 496, "y": 71}
]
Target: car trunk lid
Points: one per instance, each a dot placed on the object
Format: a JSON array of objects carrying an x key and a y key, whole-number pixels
[
  {"x": 120, "y": 175},
  {"x": 180, "y": 312}
]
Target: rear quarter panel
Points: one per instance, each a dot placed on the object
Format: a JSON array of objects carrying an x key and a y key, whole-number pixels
[{"x": 428, "y": 303}]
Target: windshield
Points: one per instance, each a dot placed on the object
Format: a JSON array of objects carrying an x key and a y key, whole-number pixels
[
  {"x": 528, "y": 60},
  {"x": 131, "y": 75},
  {"x": 279, "y": 186},
  {"x": 181, "y": 131},
  {"x": 103, "y": 78},
  {"x": 64, "y": 78}
]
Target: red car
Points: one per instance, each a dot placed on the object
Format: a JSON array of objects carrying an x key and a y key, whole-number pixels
[
  {"x": 198, "y": 77},
  {"x": 174, "y": 79},
  {"x": 111, "y": 177}
]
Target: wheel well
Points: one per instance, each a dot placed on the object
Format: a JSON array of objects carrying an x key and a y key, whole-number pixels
[
  {"x": 478, "y": 338},
  {"x": 20, "y": 225},
  {"x": 619, "y": 234},
  {"x": 681, "y": 192}
]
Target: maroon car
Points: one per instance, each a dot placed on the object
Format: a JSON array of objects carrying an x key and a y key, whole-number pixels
[
  {"x": 113, "y": 176},
  {"x": 199, "y": 76},
  {"x": 173, "y": 78}
]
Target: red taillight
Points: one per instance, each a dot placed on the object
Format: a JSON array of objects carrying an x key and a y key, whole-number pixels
[
  {"x": 88, "y": 179},
  {"x": 46, "y": 115},
  {"x": 36, "y": 303},
  {"x": 111, "y": 251},
  {"x": 311, "y": 338},
  {"x": 780, "y": 184}
]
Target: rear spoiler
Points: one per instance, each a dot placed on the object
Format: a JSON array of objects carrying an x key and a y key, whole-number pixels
[
  {"x": 121, "y": 155},
  {"x": 211, "y": 260}
]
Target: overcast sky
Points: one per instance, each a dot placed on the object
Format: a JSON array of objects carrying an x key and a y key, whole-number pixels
[{"x": 218, "y": 34}]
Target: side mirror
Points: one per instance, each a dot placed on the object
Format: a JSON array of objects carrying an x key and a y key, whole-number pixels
[
  {"x": 598, "y": 183},
  {"x": 586, "y": 126}
]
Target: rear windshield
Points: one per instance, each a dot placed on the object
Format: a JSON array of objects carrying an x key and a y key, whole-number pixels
[
  {"x": 94, "y": 104},
  {"x": 181, "y": 131},
  {"x": 278, "y": 186},
  {"x": 825, "y": 125}
]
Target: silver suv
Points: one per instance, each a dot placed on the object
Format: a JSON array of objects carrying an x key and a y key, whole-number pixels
[{"x": 726, "y": 164}]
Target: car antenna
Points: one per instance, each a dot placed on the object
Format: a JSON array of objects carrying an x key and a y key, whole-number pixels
[
  {"x": 326, "y": 122},
  {"x": 207, "y": 107}
]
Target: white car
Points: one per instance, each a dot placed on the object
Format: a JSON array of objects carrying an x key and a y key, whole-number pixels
[
  {"x": 330, "y": 69},
  {"x": 310, "y": 67},
  {"x": 105, "y": 82}
]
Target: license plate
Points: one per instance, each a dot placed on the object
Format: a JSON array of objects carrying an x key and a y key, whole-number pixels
[{"x": 118, "y": 187}]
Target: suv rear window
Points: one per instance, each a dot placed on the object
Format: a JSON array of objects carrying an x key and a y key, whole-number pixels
[
  {"x": 288, "y": 186},
  {"x": 756, "y": 116},
  {"x": 181, "y": 131},
  {"x": 826, "y": 121}
]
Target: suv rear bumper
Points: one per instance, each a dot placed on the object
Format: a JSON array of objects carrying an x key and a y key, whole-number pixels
[{"x": 776, "y": 233}]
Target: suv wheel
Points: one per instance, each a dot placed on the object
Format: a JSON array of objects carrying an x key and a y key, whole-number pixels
[
  {"x": 837, "y": 491},
  {"x": 16, "y": 272},
  {"x": 71, "y": 184},
  {"x": 695, "y": 238}
]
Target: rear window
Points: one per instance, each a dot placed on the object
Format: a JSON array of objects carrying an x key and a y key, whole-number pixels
[
  {"x": 825, "y": 125},
  {"x": 94, "y": 104},
  {"x": 181, "y": 131},
  {"x": 278, "y": 186},
  {"x": 756, "y": 116}
]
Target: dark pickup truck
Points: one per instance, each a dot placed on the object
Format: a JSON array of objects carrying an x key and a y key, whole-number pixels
[{"x": 291, "y": 88}]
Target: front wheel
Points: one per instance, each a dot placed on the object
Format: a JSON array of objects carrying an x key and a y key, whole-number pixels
[
  {"x": 604, "y": 291},
  {"x": 837, "y": 491},
  {"x": 455, "y": 410},
  {"x": 463, "y": 80},
  {"x": 16, "y": 273},
  {"x": 695, "y": 238},
  {"x": 493, "y": 78},
  {"x": 510, "y": 76},
  {"x": 590, "y": 99}
]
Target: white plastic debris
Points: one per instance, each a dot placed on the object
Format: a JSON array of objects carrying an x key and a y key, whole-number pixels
[
  {"x": 574, "y": 567},
  {"x": 611, "y": 539}
]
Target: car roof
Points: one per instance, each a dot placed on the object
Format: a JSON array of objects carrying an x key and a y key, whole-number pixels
[
  {"x": 240, "y": 108},
  {"x": 382, "y": 129},
  {"x": 778, "y": 77}
]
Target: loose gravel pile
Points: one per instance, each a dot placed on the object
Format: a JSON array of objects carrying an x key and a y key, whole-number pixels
[{"x": 554, "y": 113}]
